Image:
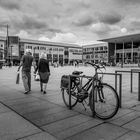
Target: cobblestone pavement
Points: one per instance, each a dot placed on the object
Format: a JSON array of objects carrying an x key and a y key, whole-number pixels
[{"x": 45, "y": 117}]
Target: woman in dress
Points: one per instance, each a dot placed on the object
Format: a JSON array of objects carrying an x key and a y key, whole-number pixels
[{"x": 44, "y": 72}]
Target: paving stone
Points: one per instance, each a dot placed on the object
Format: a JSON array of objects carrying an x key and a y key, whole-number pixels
[
  {"x": 137, "y": 107},
  {"x": 130, "y": 136},
  {"x": 54, "y": 117},
  {"x": 71, "y": 126},
  {"x": 12, "y": 126},
  {"x": 3, "y": 108},
  {"x": 100, "y": 132},
  {"x": 40, "y": 136},
  {"x": 130, "y": 103},
  {"x": 43, "y": 113},
  {"x": 66, "y": 123},
  {"x": 121, "y": 112},
  {"x": 29, "y": 104},
  {"x": 27, "y": 99},
  {"x": 27, "y": 110},
  {"x": 133, "y": 125},
  {"x": 126, "y": 118},
  {"x": 78, "y": 129},
  {"x": 10, "y": 95}
]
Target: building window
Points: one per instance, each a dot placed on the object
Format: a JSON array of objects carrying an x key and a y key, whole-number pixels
[{"x": 61, "y": 50}]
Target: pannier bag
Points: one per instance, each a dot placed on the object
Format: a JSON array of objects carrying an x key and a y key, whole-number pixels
[{"x": 65, "y": 81}]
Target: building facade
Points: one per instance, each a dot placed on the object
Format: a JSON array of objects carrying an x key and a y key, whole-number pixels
[
  {"x": 14, "y": 48},
  {"x": 96, "y": 52},
  {"x": 124, "y": 49}
]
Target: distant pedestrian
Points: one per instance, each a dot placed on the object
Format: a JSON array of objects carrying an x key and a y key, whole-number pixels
[
  {"x": 27, "y": 61},
  {"x": 44, "y": 72}
]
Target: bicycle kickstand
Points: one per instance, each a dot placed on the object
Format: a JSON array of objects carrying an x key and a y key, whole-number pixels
[{"x": 84, "y": 106}]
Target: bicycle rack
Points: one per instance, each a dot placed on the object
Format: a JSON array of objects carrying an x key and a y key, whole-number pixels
[
  {"x": 120, "y": 85},
  {"x": 131, "y": 79},
  {"x": 93, "y": 111},
  {"x": 135, "y": 71}
]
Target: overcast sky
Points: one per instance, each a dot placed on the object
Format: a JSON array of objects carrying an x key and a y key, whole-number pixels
[{"x": 70, "y": 21}]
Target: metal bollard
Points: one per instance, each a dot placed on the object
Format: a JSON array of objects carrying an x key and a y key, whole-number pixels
[
  {"x": 120, "y": 91},
  {"x": 116, "y": 80},
  {"x": 131, "y": 82},
  {"x": 138, "y": 86},
  {"x": 70, "y": 93},
  {"x": 93, "y": 110}
]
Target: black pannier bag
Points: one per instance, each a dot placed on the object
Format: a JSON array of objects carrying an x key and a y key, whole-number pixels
[{"x": 65, "y": 81}]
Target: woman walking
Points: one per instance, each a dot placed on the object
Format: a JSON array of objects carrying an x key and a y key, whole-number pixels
[{"x": 44, "y": 72}]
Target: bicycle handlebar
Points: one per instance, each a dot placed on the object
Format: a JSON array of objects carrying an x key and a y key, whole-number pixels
[{"x": 96, "y": 66}]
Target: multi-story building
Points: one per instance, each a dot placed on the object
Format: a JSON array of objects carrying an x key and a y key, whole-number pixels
[
  {"x": 124, "y": 49},
  {"x": 96, "y": 52},
  {"x": 14, "y": 48}
]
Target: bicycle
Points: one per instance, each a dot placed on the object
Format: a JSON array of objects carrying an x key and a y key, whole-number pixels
[{"x": 104, "y": 96}]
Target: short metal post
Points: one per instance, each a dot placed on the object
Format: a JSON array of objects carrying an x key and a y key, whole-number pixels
[
  {"x": 116, "y": 80},
  {"x": 131, "y": 82},
  {"x": 120, "y": 91},
  {"x": 93, "y": 105},
  {"x": 69, "y": 93},
  {"x": 139, "y": 86}
]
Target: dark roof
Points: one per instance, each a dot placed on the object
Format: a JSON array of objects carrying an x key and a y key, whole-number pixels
[{"x": 125, "y": 39}]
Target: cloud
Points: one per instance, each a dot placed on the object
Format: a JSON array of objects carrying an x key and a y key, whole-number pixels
[
  {"x": 123, "y": 30},
  {"x": 28, "y": 22},
  {"x": 65, "y": 37},
  {"x": 83, "y": 21},
  {"x": 127, "y": 1},
  {"x": 100, "y": 28},
  {"x": 44, "y": 38},
  {"x": 110, "y": 17},
  {"x": 10, "y": 4},
  {"x": 54, "y": 30},
  {"x": 23, "y": 34},
  {"x": 134, "y": 25},
  {"x": 61, "y": 37},
  {"x": 33, "y": 23}
]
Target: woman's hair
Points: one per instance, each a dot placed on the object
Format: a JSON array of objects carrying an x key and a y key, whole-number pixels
[
  {"x": 43, "y": 55},
  {"x": 28, "y": 51}
]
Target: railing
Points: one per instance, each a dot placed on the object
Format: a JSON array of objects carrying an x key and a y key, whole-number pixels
[
  {"x": 131, "y": 79},
  {"x": 120, "y": 85},
  {"x": 135, "y": 71}
]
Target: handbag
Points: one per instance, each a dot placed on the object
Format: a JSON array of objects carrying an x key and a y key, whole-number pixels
[
  {"x": 17, "y": 78},
  {"x": 37, "y": 77}
]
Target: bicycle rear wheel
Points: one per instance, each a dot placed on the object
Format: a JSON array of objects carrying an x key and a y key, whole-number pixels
[
  {"x": 65, "y": 96},
  {"x": 106, "y": 101}
]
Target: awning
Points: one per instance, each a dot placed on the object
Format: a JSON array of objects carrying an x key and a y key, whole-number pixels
[{"x": 126, "y": 39}]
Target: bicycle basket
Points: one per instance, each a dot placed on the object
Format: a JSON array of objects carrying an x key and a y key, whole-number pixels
[{"x": 65, "y": 81}]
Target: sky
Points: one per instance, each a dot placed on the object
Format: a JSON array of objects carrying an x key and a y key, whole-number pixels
[{"x": 70, "y": 21}]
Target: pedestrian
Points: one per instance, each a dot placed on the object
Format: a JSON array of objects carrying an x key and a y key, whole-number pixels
[
  {"x": 44, "y": 72},
  {"x": 27, "y": 61}
]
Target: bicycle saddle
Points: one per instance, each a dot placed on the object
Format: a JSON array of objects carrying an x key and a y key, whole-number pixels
[{"x": 77, "y": 72}]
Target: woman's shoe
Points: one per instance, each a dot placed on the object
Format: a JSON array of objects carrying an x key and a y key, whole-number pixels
[
  {"x": 41, "y": 90},
  {"x": 44, "y": 92}
]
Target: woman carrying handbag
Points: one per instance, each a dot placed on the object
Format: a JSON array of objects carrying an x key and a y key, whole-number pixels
[{"x": 44, "y": 72}]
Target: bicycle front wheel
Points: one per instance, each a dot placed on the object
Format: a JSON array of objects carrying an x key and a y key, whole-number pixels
[
  {"x": 106, "y": 101},
  {"x": 65, "y": 96}
]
